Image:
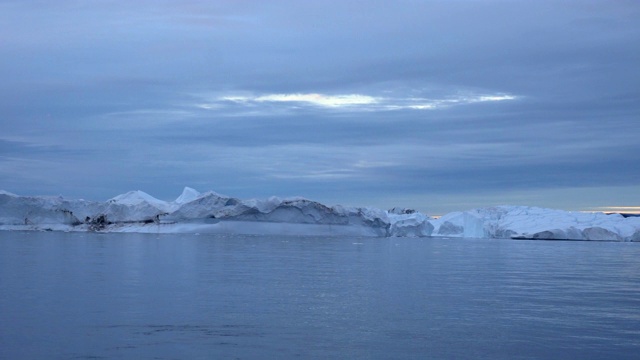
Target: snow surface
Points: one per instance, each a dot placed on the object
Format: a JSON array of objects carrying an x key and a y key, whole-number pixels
[
  {"x": 2, "y": 192},
  {"x": 210, "y": 212},
  {"x": 188, "y": 194}
]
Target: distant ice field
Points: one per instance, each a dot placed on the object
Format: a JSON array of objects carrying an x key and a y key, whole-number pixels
[{"x": 210, "y": 212}]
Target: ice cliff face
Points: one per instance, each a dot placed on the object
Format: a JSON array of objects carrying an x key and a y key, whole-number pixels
[
  {"x": 524, "y": 222},
  {"x": 409, "y": 223},
  {"x": 214, "y": 208},
  {"x": 192, "y": 211},
  {"x": 132, "y": 207},
  {"x": 36, "y": 210}
]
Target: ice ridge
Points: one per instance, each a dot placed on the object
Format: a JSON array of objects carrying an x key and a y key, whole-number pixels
[{"x": 192, "y": 211}]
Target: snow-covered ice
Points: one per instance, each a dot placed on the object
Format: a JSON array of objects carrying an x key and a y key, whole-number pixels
[
  {"x": 210, "y": 212},
  {"x": 525, "y": 222}
]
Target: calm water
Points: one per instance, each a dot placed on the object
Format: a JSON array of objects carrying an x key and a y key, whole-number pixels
[{"x": 135, "y": 296}]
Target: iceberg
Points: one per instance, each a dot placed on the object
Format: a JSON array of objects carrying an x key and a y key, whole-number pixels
[
  {"x": 409, "y": 223},
  {"x": 192, "y": 211},
  {"x": 526, "y": 222},
  {"x": 221, "y": 213},
  {"x": 210, "y": 212},
  {"x": 188, "y": 194}
]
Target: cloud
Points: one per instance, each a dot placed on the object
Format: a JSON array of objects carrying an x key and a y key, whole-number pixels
[
  {"x": 403, "y": 100},
  {"x": 352, "y": 102},
  {"x": 331, "y": 101}
]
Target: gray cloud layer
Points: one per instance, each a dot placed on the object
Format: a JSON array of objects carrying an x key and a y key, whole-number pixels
[{"x": 422, "y": 104}]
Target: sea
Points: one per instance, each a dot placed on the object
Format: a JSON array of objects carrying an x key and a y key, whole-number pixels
[{"x": 197, "y": 296}]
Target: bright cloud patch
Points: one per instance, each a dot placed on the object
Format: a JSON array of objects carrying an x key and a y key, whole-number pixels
[
  {"x": 495, "y": 98},
  {"x": 353, "y": 102},
  {"x": 320, "y": 99},
  {"x": 313, "y": 99}
]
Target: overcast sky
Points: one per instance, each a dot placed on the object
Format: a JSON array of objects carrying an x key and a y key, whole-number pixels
[{"x": 435, "y": 105}]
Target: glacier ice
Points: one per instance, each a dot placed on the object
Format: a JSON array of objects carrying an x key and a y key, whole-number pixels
[
  {"x": 210, "y": 212},
  {"x": 525, "y": 222},
  {"x": 137, "y": 211}
]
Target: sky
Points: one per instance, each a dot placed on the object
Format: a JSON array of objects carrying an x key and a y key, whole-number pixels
[{"x": 433, "y": 105}]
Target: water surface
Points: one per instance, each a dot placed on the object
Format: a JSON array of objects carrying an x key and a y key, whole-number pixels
[{"x": 125, "y": 296}]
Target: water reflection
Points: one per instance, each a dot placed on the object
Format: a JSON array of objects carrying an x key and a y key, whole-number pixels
[{"x": 185, "y": 296}]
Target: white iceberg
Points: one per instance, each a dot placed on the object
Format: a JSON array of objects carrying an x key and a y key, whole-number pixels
[
  {"x": 409, "y": 223},
  {"x": 188, "y": 194},
  {"x": 210, "y": 212},
  {"x": 524, "y": 222}
]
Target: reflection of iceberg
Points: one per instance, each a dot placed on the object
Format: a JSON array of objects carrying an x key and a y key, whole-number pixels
[{"x": 210, "y": 212}]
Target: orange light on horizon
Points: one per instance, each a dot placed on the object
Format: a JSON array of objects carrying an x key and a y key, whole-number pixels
[{"x": 618, "y": 209}]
